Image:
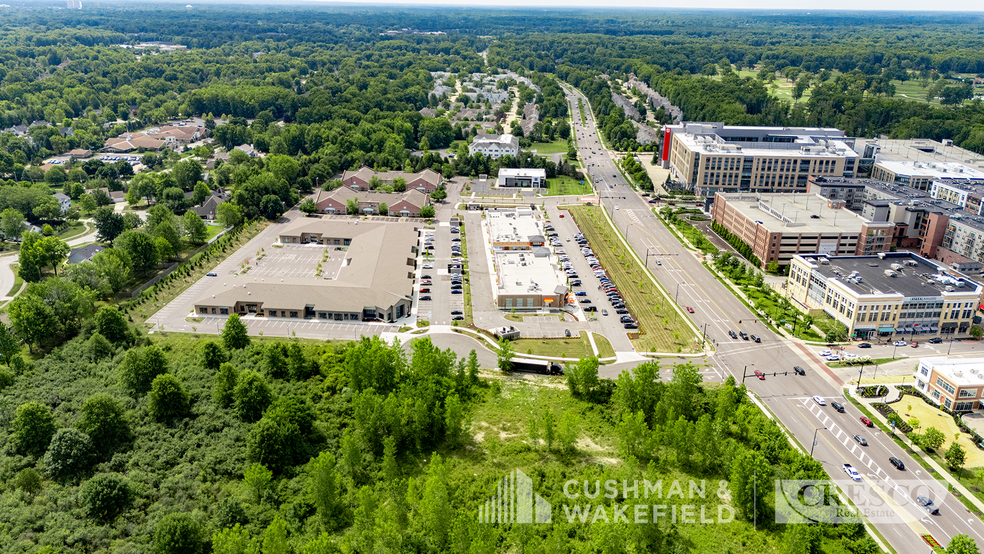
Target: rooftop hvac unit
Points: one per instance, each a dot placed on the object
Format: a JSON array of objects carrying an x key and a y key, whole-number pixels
[
  {"x": 889, "y": 273},
  {"x": 897, "y": 267}
]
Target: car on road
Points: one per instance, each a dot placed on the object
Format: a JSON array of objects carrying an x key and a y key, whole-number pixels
[
  {"x": 211, "y": 274},
  {"x": 658, "y": 262},
  {"x": 567, "y": 332},
  {"x": 867, "y": 422},
  {"x": 860, "y": 440},
  {"x": 604, "y": 312},
  {"x": 899, "y": 343},
  {"x": 864, "y": 345},
  {"x": 732, "y": 334},
  {"x": 837, "y": 406},
  {"x": 897, "y": 463},
  {"x": 819, "y": 400},
  {"x": 928, "y": 505},
  {"x": 851, "y": 472},
  {"x": 755, "y": 338},
  {"x": 743, "y": 335},
  {"x": 935, "y": 340},
  {"x": 799, "y": 370},
  {"x": 425, "y": 297},
  {"x": 760, "y": 375},
  {"x": 690, "y": 310},
  {"x": 915, "y": 344}
]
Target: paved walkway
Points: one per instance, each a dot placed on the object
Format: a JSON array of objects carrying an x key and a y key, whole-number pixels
[{"x": 7, "y": 276}]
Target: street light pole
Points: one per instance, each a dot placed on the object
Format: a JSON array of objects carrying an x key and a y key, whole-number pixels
[
  {"x": 677, "y": 296},
  {"x": 860, "y": 373},
  {"x": 815, "y": 431}
]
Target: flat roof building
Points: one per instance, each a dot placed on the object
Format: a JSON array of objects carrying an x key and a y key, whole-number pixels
[
  {"x": 920, "y": 175},
  {"x": 526, "y": 273},
  {"x": 527, "y": 177},
  {"x": 847, "y": 190},
  {"x": 514, "y": 229},
  {"x": 713, "y": 157},
  {"x": 884, "y": 295},
  {"x": 779, "y": 226},
  {"x": 955, "y": 383},
  {"x": 913, "y": 150},
  {"x": 373, "y": 279}
]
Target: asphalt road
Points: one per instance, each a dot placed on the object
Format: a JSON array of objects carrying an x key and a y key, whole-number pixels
[{"x": 787, "y": 397}]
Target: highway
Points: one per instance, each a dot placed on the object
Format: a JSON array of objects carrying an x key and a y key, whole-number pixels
[{"x": 787, "y": 397}]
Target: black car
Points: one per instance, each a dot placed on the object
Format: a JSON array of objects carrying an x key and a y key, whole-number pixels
[
  {"x": 935, "y": 340},
  {"x": 456, "y": 312},
  {"x": 732, "y": 334},
  {"x": 837, "y": 406},
  {"x": 864, "y": 345},
  {"x": 926, "y": 503},
  {"x": 799, "y": 370},
  {"x": 743, "y": 335},
  {"x": 456, "y": 291},
  {"x": 590, "y": 309},
  {"x": 897, "y": 463},
  {"x": 630, "y": 326},
  {"x": 425, "y": 297},
  {"x": 455, "y": 286},
  {"x": 626, "y": 319},
  {"x": 575, "y": 282},
  {"x": 621, "y": 311},
  {"x": 458, "y": 318}
]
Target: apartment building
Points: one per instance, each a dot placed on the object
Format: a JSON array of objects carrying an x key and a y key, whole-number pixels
[
  {"x": 849, "y": 191},
  {"x": 966, "y": 194},
  {"x": 885, "y": 295},
  {"x": 781, "y": 225},
  {"x": 954, "y": 383},
  {"x": 713, "y": 157},
  {"x": 494, "y": 146}
]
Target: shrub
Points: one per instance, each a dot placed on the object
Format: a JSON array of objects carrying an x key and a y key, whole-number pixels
[
  {"x": 98, "y": 347},
  {"x": 69, "y": 454},
  {"x": 230, "y": 512},
  {"x": 33, "y": 428},
  {"x": 251, "y": 396},
  {"x": 212, "y": 355},
  {"x": 28, "y": 480},
  {"x": 139, "y": 368},
  {"x": 105, "y": 496},
  {"x": 168, "y": 399},
  {"x": 225, "y": 385},
  {"x": 104, "y": 420},
  {"x": 178, "y": 534},
  {"x": 111, "y": 324},
  {"x": 234, "y": 334}
]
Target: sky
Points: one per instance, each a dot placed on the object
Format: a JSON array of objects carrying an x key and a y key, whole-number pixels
[{"x": 779, "y": 6}]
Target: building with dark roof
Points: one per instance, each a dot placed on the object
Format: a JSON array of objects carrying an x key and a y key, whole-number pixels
[{"x": 84, "y": 254}]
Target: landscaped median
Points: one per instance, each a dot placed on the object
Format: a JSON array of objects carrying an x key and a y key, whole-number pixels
[{"x": 661, "y": 327}]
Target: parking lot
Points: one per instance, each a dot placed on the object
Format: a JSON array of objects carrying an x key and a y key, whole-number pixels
[{"x": 439, "y": 301}]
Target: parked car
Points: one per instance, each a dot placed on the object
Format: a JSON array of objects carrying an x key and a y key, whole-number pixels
[
  {"x": 575, "y": 282},
  {"x": 456, "y": 312},
  {"x": 867, "y": 422},
  {"x": 860, "y": 440},
  {"x": 580, "y": 293},
  {"x": 630, "y": 326},
  {"x": 567, "y": 332},
  {"x": 837, "y": 406},
  {"x": 799, "y": 370},
  {"x": 851, "y": 472},
  {"x": 590, "y": 309},
  {"x": 899, "y": 343},
  {"x": 864, "y": 345},
  {"x": 458, "y": 318},
  {"x": 456, "y": 291},
  {"x": 425, "y": 297},
  {"x": 897, "y": 463},
  {"x": 211, "y": 274}
]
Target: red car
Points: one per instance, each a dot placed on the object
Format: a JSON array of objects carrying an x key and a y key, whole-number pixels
[
  {"x": 689, "y": 309},
  {"x": 424, "y": 290},
  {"x": 867, "y": 422},
  {"x": 760, "y": 375},
  {"x": 562, "y": 216},
  {"x": 915, "y": 344}
]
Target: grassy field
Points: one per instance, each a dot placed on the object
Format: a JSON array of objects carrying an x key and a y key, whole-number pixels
[
  {"x": 605, "y": 349},
  {"x": 77, "y": 229},
  {"x": 661, "y": 328},
  {"x": 573, "y": 347},
  {"x": 929, "y": 416},
  {"x": 562, "y": 185},
  {"x": 559, "y": 146},
  {"x": 212, "y": 231}
]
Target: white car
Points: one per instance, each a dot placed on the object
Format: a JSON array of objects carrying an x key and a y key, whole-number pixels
[
  {"x": 819, "y": 400},
  {"x": 428, "y": 266},
  {"x": 825, "y": 353},
  {"x": 901, "y": 343},
  {"x": 850, "y": 356},
  {"x": 852, "y": 473}
]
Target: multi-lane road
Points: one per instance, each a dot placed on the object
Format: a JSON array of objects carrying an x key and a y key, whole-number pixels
[{"x": 787, "y": 397}]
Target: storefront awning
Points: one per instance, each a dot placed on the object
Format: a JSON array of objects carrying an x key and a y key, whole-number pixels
[{"x": 886, "y": 329}]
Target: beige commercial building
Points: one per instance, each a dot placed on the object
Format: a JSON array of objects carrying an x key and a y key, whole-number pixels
[
  {"x": 779, "y": 226},
  {"x": 374, "y": 281},
  {"x": 893, "y": 293},
  {"x": 954, "y": 383},
  {"x": 525, "y": 273},
  {"x": 713, "y": 157}
]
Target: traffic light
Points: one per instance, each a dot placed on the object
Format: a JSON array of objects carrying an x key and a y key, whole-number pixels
[{"x": 739, "y": 321}]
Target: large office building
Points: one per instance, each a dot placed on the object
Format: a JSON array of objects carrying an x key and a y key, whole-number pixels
[
  {"x": 920, "y": 175},
  {"x": 373, "y": 280},
  {"x": 494, "y": 146},
  {"x": 525, "y": 272},
  {"x": 912, "y": 150},
  {"x": 884, "y": 295},
  {"x": 954, "y": 383},
  {"x": 713, "y": 157},
  {"x": 779, "y": 226}
]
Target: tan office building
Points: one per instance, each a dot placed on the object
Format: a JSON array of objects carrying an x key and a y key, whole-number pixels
[{"x": 954, "y": 383}]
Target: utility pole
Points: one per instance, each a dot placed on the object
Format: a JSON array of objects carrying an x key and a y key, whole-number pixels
[{"x": 815, "y": 431}]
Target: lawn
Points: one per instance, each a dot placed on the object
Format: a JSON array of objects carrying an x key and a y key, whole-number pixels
[
  {"x": 605, "y": 349},
  {"x": 75, "y": 230},
  {"x": 212, "y": 231},
  {"x": 573, "y": 347},
  {"x": 18, "y": 283},
  {"x": 661, "y": 327},
  {"x": 563, "y": 185},
  {"x": 518, "y": 318},
  {"x": 558, "y": 146},
  {"x": 930, "y": 416}
]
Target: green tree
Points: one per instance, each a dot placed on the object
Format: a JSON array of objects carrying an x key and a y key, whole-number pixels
[
  {"x": 308, "y": 206},
  {"x": 472, "y": 368},
  {"x": 275, "y": 537},
  {"x": 582, "y": 377},
  {"x": 167, "y": 399},
  {"x": 750, "y": 471},
  {"x": 12, "y": 223},
  {"x": 427, "y": 212},
  {"x": 439, "y": 194},
  {"x": 234, "y": 335},
  {"x": 69, "y": 454},
  {"x": 202, "y": 193},
  {"x": 453, "y": 418},
  {"x": 962, "y": 544},
  {"x": 257, "y": 479},
  {"x": 324, "y": 488},
  {"x": 178, "y": 533},
  {"x": 505, "y": 355},
  {"x": 271, "y": 207},
  {"x": 31, "y": 259},
  {"x": 138, "y": 369},
  {"x": 140, "y": 248},
  {"x": 955, "y": 456},
  {"x": 33, "y": 319},
  {"x": 165, "y": 251},
  {"x": 112, "y": 324},
  {"x": 33, "y": 428},
  {"x": 435, "y": 505},
  {"x": 109, "y": 223},
  {"x": 567, "y": 432},
  {"x": 549, "y": 433},
  {"x": 187, "y": 173},
  {"x": 233, "y": 540},
  {"x": 9, "y": 344},
  {"x": 225, "y": 385},
  {"x": 104, "y": 420},
  {"x": 633, "y": 434},
  {"x": 195, "y": 228},
  {"x": 251, "y": 396},
  {"x": 933, "y": 438},
  {"x": 228, "y": 214},
  {"x": 53, "y": 251},
  {"x": 106, "y": 496},
  {"x": 212, "y": 355}
]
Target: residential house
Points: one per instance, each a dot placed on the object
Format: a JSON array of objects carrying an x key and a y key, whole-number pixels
[
  {"x": 248, "y": 149},
  {"x": 64, "y": 201},
  {"x": 84, "y": 254},
  {"x": 426, "y": 181},
  {"x": 405, "y": 204},
  {"x": 208, "y": 208}
]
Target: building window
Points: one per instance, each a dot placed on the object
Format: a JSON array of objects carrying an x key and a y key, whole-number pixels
[
  {"x": 945, "y": 385},
  {"x": 924, "y": 371},
  {"x": 283, "y": 313},
  {"x": 946, "y": 403},
  {"x": 293, "y": 314},
  {"x": 936, "y": 394},
  {"x": 213, "y": 311},
  {"x": 963, "y": 406},
  {"x": 968, "y": 393},
  {"x": 224, "y": 311},
  {"x": 203, "y": 310}
]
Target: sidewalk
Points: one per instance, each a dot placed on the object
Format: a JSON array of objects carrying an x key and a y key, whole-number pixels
[{"x": 894, "y": 393}]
